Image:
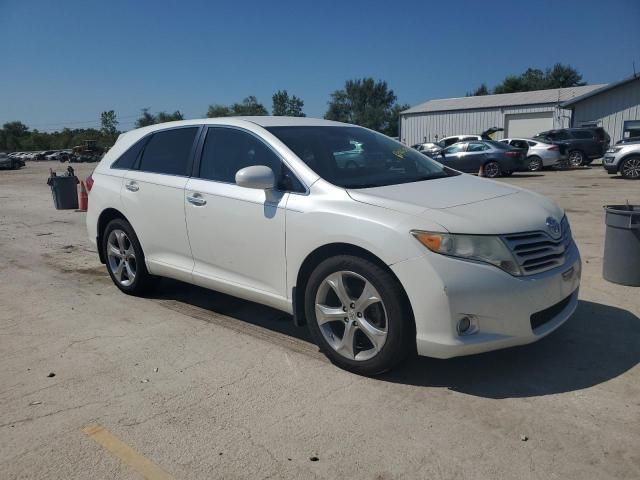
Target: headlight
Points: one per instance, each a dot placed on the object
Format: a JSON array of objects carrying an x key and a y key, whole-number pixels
[
  {"x": 614, "y": 150},
  {"x": 483, "y": 248}
]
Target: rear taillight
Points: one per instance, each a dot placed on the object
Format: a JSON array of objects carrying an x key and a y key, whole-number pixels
[
  {"x": 89, "y": 182},
  {"x": 554, "y": 147}
]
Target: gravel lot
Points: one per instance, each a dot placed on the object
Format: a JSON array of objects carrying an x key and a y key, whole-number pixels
[{"x": 207, "y": 386}]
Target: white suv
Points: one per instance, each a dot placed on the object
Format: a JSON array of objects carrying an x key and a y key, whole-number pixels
[{"x": 390, "y": 254}]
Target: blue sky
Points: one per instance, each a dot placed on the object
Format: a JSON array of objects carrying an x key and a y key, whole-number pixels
[{"x": 65, "y": 62}]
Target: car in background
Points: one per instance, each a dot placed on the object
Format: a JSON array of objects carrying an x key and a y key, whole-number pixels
[
  {"x": 624, "y": 159},
  {"x": 428, "y": 148},
  {"x": 9, "y": 162},
  {"x": 497, "y": 159},
  {"x": 539, "y": 154},
  {"x": 580, "y": 145},
  {"x": 628, "y": 140}
]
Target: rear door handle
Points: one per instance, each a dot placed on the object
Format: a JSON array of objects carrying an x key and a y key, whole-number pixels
[
  {"x": 196, "y": 199},
  {"x": 132, "y": 186}
]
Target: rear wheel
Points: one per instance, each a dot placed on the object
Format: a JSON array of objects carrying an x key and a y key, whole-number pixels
[
  {"x": 125, "y": 259},
  {"x": 492, "y": 169},
  {"x": 631, "y": 168},
  {"x": 535, "y": 164},
  {"x": 576, "y": 158},
  {"x": 358, "y": 315}
]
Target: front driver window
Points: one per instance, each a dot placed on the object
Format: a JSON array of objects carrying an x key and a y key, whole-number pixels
[
  {"x": 227, "y": 150},
  {"x": 455, "y": 148}
]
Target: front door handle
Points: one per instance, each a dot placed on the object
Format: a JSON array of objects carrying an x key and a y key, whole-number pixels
[
  {"x": 196, "y": 199},
  {"x": 132, "y": 186}
]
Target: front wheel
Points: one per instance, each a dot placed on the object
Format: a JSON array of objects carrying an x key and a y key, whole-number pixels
[
  {"x": 576, "y": 158},
  {"x": 631, "y": 168},
  {"x": 492, "y": 169},
  {"x": 358, "y": 315},
  {"x": 125, "y": 259}
]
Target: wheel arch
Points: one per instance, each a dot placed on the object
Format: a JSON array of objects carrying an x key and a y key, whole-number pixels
[
  {"x": 105, "y": 217},
  {"x": 320, "y": 254}
]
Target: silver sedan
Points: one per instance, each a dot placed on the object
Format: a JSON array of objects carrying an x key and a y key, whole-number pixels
[{"x": 539, "y": 154}]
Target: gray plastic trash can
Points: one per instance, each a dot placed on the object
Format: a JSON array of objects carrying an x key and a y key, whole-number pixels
[
  {"x": 622, "y": 245},
  {"x": 64, "y": 191}
]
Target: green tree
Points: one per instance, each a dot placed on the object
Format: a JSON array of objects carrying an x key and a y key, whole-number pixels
[
  {"x": 109, "y": 123},
  {"x": 163, "y": 117},
  {"x": 480, "y": 91},
  {"x": 218, "y": 110},
  {"x": 146, "y": 119},
  {"x": 249, "y": 107},
  {"x": 562, "y": 76},
  {"x": 284, "y": 105},
  {"x": 367, "y": 103}
]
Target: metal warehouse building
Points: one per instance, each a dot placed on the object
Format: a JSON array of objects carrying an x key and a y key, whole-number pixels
[
  {"x": 615, "y": 106},
  {"x": 520, "y": 114}
]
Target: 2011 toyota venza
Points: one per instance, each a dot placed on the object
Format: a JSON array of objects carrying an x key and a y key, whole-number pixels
[{"x": 380, "y": 250}]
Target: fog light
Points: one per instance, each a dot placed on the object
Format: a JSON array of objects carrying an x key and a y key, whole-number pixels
[{"x": 467, "y": 325}]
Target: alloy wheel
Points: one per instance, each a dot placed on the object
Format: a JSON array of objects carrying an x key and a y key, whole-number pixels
[
  {"x": 535, "y": 164},
  {"x": 121, "y": 257},
  {"x": 351, "y": 315},
  {"x": 631, "y": 168},
  {"x": 492, "y": 169},
  {"x": 575, "y": 159}
]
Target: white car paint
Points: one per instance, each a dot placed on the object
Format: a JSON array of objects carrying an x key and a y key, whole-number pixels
[
  {"x": 265, "y": 236},
  {"x": 547, "y": 152}
]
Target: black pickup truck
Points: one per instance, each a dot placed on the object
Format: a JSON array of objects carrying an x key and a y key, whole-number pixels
[{"x": 580, "y": 145}]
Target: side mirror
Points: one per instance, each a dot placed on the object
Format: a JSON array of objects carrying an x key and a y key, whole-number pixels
[{"x": 259, "y": 177}]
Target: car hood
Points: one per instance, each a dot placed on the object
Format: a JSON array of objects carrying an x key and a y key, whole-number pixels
[{"x": 465, "y": 204}]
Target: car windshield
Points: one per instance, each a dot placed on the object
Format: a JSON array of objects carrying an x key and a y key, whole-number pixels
[{"x": 354, "y": 157}]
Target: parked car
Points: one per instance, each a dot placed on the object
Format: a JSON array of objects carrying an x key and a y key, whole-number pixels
[
  {"x": 396, "y": 255},
  {"x": 10, "y": 162},
  {"x": 497, "y": 159},
  {"x": 428, "y": 148},
  {"x": 624, "y": 159},
  {"x": 580, "y": 145},
  {"x": 539, "y": 154}
]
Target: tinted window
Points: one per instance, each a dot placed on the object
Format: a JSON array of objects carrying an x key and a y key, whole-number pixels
[
  {"x": 128, "y": 159},
  {"x": 227, "y": 150},
  {"x": 354, "y": 157},
  {"x": 168, "y": 151},
  {"x": 450, "y": 141},
  {"x": 582, "y": 134},
  {"x": 532, "y": 144},
  {"x": 477, "y": 147},
  {"x": 520, "y": 144}
]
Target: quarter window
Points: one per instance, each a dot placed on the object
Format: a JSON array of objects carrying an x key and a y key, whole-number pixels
[
  {"x": 128, "y": 159},
  {"x": 168, "y": 151}
]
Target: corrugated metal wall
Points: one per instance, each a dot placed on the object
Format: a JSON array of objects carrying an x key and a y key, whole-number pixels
[
  {"x": 415, "y": 127},
  {"x": 610, "y": 109}
]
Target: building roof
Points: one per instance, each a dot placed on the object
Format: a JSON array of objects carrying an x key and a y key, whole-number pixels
[
  {"x": 598, "y": 91},
  {"x": 553, "y": 95}
]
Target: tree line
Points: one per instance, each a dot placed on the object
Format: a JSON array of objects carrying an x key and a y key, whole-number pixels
[{"x": 363, "y": 101}]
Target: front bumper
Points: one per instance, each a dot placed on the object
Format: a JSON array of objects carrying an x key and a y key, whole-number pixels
[
  {"x": 443, "y": 289},
  {"x": 610, "y": 164}
]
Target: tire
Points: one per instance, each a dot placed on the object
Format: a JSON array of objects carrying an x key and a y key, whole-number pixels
[
  {"x": 492, "y": 169},
  {"x": 535, "y": 164},
  {"x": 630, "y": 168},
  {"x": 575, "y": 158},
  {"x": 381, "y": 330},
  {"x": 132, "y": 278}
]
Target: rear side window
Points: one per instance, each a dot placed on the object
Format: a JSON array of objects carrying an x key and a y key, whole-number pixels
[
  {"x": 477, "y": 147},
  {"x": 128, "y": 159},
  {"x": 168, "y": 151},
  {"x": 582, "y": 134}
]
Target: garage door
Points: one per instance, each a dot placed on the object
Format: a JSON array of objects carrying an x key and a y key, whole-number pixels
[{"x": 527, "y": 124}]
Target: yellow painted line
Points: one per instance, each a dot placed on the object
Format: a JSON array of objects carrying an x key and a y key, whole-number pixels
[{"x": 124, "y": 452}]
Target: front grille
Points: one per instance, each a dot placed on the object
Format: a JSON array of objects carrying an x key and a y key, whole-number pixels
[
  {"x": 538, "y": 252},
  {"x": 543, "y": 316}
]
